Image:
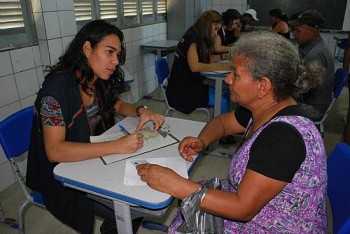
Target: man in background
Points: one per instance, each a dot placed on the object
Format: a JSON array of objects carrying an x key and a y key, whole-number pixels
[
  {"x": 306, "y": 31},
  {"x": 346, "y": 63},
  {"x": 248, "y": 17}
]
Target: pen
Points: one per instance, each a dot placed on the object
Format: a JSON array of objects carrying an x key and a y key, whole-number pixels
[{"x": 123, "y": 129}]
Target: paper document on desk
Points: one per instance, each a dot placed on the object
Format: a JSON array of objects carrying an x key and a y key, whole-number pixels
[
  {"x": 152, "y": 140},
  {"x": 217, "y": 72},
  {"x": 177, "y": 164}
]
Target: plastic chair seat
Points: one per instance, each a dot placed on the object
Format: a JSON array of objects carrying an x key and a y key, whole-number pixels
[
  {"x": 37, "y": 197},
  {"x": 338, "y": 165}
]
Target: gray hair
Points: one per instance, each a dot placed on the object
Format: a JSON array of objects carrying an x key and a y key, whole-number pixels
[{"x": 271, "y": 55}]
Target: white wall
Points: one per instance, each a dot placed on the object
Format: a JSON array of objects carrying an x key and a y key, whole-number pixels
[
  {"x": 21, "y": 70},
  {"x": 346, "y": 24}
]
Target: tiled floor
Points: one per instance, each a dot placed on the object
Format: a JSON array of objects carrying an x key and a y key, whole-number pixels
[{"x": 39, "y": 221}]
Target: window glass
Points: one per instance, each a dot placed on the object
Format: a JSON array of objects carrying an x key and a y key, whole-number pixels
[
  {"x": 130, "y": 12},
  {"x": 108, "y": 9},
  {"x": 147, "y": 9},
  {"x": 123, "y": 13},
  {"x": 16, "y": 24},
  {"x": 83, "y": 12},
  {"x": 161, "y": 10}
]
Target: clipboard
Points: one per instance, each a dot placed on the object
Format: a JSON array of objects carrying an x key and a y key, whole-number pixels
[{"x": 153, "y": 140}]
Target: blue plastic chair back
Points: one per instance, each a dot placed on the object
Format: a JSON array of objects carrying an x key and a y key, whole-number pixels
[
  {"x": 338, "y": 170},
  {"x": 15, "y": 132},
  {"x": 162, "y": 70},
  {"x": 341, "y": 77},
  {"x": 342, "y": 43}
]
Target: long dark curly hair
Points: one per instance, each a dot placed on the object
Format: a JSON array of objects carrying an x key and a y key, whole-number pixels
[{"x": 74, "y": 59}]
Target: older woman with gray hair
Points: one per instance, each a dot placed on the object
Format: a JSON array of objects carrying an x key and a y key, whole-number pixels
[{"x": 277, "y": 177}]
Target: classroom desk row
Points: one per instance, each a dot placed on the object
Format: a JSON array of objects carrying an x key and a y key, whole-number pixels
[{"x": 217, "y": 76}]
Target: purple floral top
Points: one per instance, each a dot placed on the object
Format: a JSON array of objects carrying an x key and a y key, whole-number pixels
[{"x": 301, "y": 206}]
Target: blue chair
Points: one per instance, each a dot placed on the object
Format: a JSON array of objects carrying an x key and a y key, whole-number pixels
[
  {"x": 15, "y": 133},
  {"x": 340, "y": 79},
  {"x": 338, "y": 170},
  {"x": 163, "y": 72}
]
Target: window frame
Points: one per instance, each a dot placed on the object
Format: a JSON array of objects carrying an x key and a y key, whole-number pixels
[
  {"x": 14, "y": 38},
  {"x": 148, "y": 18},
  {"x": 123, "y": 21}
]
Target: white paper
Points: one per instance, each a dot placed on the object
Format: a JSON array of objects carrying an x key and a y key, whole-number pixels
[
  {"x": 177, "y": 164},
  {"x": 152, "y": 140},
  {"x": 217, "y": 72}
]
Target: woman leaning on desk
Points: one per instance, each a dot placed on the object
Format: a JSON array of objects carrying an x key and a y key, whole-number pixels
[
  {"x": 279, "y": 23},
  {"x": 226, "y": 35},
  {"x": 194, "y": 54},
  {"x": 78, "y": 99},
  {"x": 277, "y": 177}
]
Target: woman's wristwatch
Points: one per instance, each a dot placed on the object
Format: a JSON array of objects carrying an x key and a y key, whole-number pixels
[{"x": 138, "y": 110}]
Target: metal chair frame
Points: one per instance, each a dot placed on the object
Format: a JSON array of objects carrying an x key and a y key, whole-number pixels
[
  {"x": 340, "y": 46},
  {"x": 15, "y": 133},
  {"x": 341, "y": 76}
]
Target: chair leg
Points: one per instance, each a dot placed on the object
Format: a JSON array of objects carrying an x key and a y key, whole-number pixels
[
  {"x": 208, "y": 115},
  {"x": 21, "y": 221},
  {"x": 322, "y": 130}
]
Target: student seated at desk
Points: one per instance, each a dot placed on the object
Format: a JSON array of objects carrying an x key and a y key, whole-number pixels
[
  {"x": 279, "y": 21},
  {"x": 313, "y": 49},
  {"x": 277, "y": 178},
  {"x": 78, "y": 99},
  {"x": 186, "y": 90},
  {"x": 226, "y": 35},
  {"x": 245, "y": 25}
]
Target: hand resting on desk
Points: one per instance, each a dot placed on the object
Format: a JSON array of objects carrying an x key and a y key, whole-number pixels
[
  {"x": 160, "y": 178},
  {"x": 190, "y": 147},
  {"x": 176, "y": 164}
]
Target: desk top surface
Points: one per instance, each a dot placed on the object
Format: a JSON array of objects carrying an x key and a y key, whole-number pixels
[
  {"x": 215, "y": 74},
  {"x": 161, "y": 45},
  {"x": 93, "y": 176}
]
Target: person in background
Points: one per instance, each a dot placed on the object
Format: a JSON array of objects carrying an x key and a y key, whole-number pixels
[
  {"x": 226, "y": 35},
  {"x": 186, "y": 90},
  {"x": 277, "y": 178},
  {"x": 346, "y": 64},
  {"x": 306, "y": 31},
  {"x": 78, "y": 99},
  {"x": 245, "y": 25},
  {"x": 279, "y": 23}
]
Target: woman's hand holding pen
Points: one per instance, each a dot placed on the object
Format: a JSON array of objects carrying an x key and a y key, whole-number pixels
[{"x": 130, "y": 143}]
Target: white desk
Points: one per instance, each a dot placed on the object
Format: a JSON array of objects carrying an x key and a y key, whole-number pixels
[
  {"x": 159, "y": 46},
  {"x": 218, "y": 77},
  {"x": 106, "y": 181}
]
